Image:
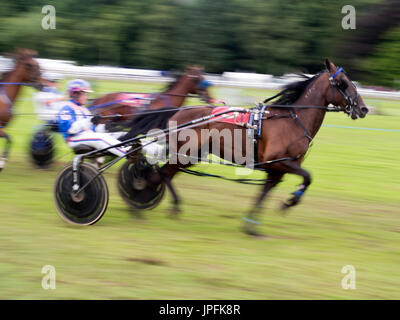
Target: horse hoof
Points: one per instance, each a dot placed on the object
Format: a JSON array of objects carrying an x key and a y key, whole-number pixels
[
  {"x": 175, "y": 211},
  {"x": 285, "y": 206},
  {"x": 290, "y": 203},
  {"x": 251, "y": 231}
]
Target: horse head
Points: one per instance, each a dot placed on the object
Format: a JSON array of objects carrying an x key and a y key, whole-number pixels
[
  {"x": 28, "y": 67},
  {"x": 197, "y": 83},
  {"x": 342, "y": 92}
]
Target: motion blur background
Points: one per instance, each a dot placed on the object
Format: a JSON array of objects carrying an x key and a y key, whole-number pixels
[
  {"x": 273, "y": 37},
  {"x": 350, "y": 215}
]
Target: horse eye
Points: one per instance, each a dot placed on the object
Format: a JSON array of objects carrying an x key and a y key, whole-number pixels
[{"x": 343, "y": 85}]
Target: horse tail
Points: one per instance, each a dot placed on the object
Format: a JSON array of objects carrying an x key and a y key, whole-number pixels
[{"x": 146, "y": 121}]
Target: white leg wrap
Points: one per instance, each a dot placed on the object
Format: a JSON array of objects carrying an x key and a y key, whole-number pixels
[
  {"x": 154, "y": 151},
  {"x": 2, "y": 162}
]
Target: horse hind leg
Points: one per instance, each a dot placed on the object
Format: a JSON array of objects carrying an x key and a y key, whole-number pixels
[
  {"x": 167, "y": 172},
  {"x": 252, "y": 220},
  {"x": 4, "y": 157}
]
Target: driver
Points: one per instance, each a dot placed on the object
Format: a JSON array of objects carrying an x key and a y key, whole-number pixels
[
  {"x": 77, "y": 124},
  {"x": 47, "y": 102}
]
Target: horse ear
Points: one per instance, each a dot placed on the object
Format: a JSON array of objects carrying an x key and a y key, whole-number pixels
[
  {"x": 194, "y": 70},
  {"x": 21, "y": 53},
  {"x": 33, "y": 53},
  {"x": 189, "y": 69},
  {"x": 329, "y": 65},
  {"x": 199, "y": 68}
]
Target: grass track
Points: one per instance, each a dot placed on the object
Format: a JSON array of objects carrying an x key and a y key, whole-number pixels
[{"x": 350, "y": 216}]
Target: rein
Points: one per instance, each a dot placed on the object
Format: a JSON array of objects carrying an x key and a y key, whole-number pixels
[
  {"x": 144, "y": 112},
  {"x": 106, "y": 104},
  {"x": 328, "y": 109},
  {"x": 17, "y": 83}
]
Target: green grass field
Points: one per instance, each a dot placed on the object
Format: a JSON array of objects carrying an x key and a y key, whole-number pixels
[{"x": 350, "y": 216}]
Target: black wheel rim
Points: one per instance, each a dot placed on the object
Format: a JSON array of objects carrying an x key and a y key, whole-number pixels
[
  {"x": 135, "y": 188},
  {"x": 86, "y": 207}
]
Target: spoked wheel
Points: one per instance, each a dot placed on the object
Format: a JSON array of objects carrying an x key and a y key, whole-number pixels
[
  {"x": 88, "y": 206},
  {"x": 136, "y": 189}
]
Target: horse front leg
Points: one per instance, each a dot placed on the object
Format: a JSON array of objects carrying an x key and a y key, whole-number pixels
[
  {"x": 4, "y": 157},
  {"x": 252, "y": 220}
]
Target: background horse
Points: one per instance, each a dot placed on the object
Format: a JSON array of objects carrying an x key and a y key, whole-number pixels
[
  {"x": 120, "y": 107},
  {"x": 286, "y": 133},
  {"x": 26, "y": 70}
]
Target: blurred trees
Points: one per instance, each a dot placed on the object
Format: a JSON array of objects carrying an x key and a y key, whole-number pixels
[{"x": 274, "y": 36}]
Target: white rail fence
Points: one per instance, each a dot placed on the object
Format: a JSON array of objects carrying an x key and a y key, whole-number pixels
[{"x": 227, "y": 79}]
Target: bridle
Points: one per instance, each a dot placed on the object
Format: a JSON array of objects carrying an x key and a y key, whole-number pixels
[
  {"x": 351, "y": 101},
  {"x": 35, "y": 82},
  {"x": 202, "y": 85}
]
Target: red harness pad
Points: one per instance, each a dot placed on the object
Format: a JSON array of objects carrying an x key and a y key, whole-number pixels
[
  {"x": 233, "y": 117},
  {"x": 134, "y": 99}
]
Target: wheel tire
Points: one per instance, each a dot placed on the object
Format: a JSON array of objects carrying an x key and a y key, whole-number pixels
[
  {"x": 134, "y": 188},
  {"x": 42, "y": 149},
  {"x": 93, "y": 201}
]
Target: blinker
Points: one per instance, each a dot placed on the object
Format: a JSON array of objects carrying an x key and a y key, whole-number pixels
[{"x": 203, "y": 84}]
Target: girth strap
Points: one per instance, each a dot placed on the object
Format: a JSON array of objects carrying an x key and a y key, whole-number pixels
[{"x": 306, "y": 133}]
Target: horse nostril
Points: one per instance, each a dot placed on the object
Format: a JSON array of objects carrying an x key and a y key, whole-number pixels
[{"x": 364, "y": 110}]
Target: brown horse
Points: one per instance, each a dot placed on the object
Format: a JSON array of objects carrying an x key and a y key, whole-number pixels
[
  {"x": 120, "y": 107},
  {"x": 26, "y": 71},
  {"x": 286, "y": 133}
]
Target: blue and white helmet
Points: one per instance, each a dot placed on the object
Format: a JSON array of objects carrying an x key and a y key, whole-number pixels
[{"x": 78, "y": 85}]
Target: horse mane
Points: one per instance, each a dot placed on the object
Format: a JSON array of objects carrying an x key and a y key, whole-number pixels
[
  {"x": 146, "y": 121},
  {"x": 176, "y": 79},
  {"x": 292, "y": 91}
]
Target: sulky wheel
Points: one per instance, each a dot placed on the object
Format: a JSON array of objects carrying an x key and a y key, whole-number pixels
[
  {"x": 135, "y": 188},
  {"x": 86, "y": 207}
]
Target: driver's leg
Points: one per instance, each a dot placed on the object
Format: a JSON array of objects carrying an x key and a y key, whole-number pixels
[
  {"x": 97, "y": 141},
  {"x": 102, "y": 129}
]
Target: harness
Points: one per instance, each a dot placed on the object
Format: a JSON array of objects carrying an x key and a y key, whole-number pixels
[
  {"x": 255, "y": 126},
  {"x": 255, "y": 122},
  {"x": 254, "y": 129}
]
